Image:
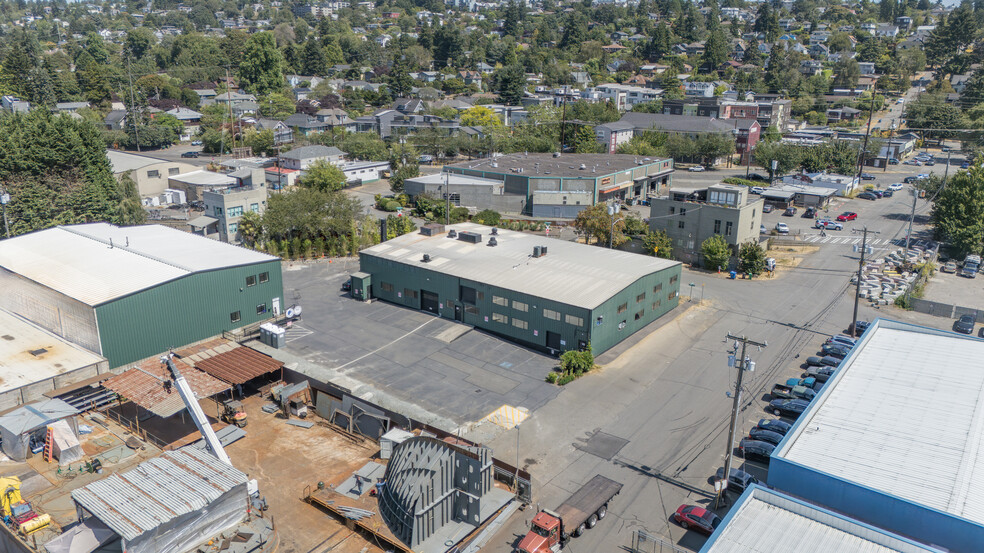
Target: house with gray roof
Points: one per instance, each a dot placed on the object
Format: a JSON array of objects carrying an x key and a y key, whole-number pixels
[{"x": 302, "y": 158}]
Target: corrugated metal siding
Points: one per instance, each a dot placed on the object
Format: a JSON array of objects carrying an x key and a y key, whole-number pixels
[
  {"x": 607, "y": 334},
  {"x": 185, "y": 310},
  {"x": 158, "y": 490}
]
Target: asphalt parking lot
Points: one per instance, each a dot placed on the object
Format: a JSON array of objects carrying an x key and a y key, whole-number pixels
[{"x": 444, "y": 367}]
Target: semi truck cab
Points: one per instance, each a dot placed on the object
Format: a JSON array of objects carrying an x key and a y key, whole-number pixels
[{"x": 544, "y": 535}]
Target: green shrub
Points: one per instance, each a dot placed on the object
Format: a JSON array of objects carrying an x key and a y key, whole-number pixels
[
  {"x": 576, "y": 362},
  {"x": 391, "y": 205},
  {"x": 566, "y": 379},
  {"x": 743, "y": 182},
  {"x": 552, "y": 377},
  {"x": 487, "y": 217}
]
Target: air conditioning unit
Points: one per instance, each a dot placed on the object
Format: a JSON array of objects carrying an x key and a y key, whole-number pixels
[
  {"x": 472, "y": 237},
  {"x": 537, "y": 251}
]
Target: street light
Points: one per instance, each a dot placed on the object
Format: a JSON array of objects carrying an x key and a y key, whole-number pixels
[
  {"x": 692, "y": 284},
  {"x": 613, "y": 209},
  {"x": 4, "y": 200}
]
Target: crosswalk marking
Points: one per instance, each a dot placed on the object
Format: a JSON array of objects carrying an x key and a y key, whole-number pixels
[{"x": 848, "y": 240}]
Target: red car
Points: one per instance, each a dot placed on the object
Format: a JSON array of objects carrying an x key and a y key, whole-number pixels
[
  {"x": 847, "y": 216},
  {"x": 698, "y": 518}
]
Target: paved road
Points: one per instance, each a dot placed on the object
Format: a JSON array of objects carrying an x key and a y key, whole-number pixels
[{"x": 666, "y": 397}]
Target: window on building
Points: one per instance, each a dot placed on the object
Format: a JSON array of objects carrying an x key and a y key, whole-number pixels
[
  {"x": 235, "y": 211},
  {"x": 233, "y": 228},
  {"x": 408, "y": 293},
  {"x": 717, "y": 226},
  {"x": 551, "y": 314},
  {"x": 153, "y": 174},
  {"x": 520, "y": 323},
  {"x": 728, "y": 227},
  {"x": 683, "y": 211},
  {"x": 623, "y": 307},
  {"x": 520, "y": 306},
  {"x": 218, "y": 211},
  {"x": 640, "y": 297},
  {"x": 235, "y": 316},
  {"x": 471, "y": 309},
  {"x": 386, "y": 287},
  {"x": 261, "y": 309},
  {"x": 499, "y": 300},
  {"x": 572, "y": 320},
  {"x": 255, "y": 208},
  {"x": 672, "y": 210},
  {"x": 500, "y": 318},
  {"x": 173, "y": 171},
  {"x": 454, "y": 199},
  {"x": 468, "y": 295},
  {"x": 656, "y": 304},
  {"x": 658, "y": 287},
  {"x": 681, "y": 224},
  {"x": 250, "y": 281},
  {"x": 672, "y": 295},
  {"x": 640, "y": 314},
  {"x": 673, "y": 279},
  {"x": 264, "y": 277}
]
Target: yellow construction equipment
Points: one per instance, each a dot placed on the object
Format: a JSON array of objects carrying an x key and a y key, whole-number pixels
[{"x": 17, "y": 513}]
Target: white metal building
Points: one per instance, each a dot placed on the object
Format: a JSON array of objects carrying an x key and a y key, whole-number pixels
[
  {"x": 174, "y": 502},
  {"x": 895, "y": 437}
]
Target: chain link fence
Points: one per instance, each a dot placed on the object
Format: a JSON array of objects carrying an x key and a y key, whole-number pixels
[{"x": 644, "y": 542}]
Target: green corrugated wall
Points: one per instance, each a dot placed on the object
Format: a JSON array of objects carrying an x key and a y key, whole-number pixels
[{"x": 184, "y": 311}]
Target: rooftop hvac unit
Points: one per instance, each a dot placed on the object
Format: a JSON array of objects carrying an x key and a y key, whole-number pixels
[
  {"x": 543, "y": 251},
  {"x": 492, "y": 241},
  {"x": 432, "y": 229},
  {"x": 452, "y": 233},
  {"x": 537, "y": 251},
  {"x": 426, "y": 258},
  {"x": 472, "y": 237}
]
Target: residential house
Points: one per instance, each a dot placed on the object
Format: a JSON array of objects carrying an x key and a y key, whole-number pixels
[
  {"x": 115, "y": 120},
  {"x": 842, "y": 114},
  {"x": 304, "y": 124},
  {"x": 690, "y": 127},
  {"x": 12, "y": 104},
  {"x": 408, "y": 105},
  {"x": 624, "y": 97},
  {"x": 282, "y": 134},
  {"x": 471, "y": 78},
  {"x": 336, "y": 118},
  {"x": 867, "y": 67},
  {"x": 697, "y": 88},
  {"x": 748, "y": 132},
  {"x": 190, "y": 118},
  {"x": 811, "y": 67},
  {"x": 70, "y": 107},
  {"x": 302, "y": 158},
  {"x": 887, "y": 31}
]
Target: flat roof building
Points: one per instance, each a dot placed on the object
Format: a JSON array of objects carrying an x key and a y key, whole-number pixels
[
  {"x": 894, "y": 438},
  {"x": 605, "y": 176},
  {"x": 149, "y": 173},
  {"x": 33, "y": 361},
  {"x": 549, "y": 294},
  {"x": 767, "y": 520},
  {"x": 131, "y": 292}
]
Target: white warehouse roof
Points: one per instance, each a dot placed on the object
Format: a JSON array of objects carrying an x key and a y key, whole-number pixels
[
  {"x": 768, "y": 521},
  {"x": 571, "y": 273},
  {"x": 904, "y": 416},
  {"x": 30, "y": 354},
  {"x": 98, "y": 262}
]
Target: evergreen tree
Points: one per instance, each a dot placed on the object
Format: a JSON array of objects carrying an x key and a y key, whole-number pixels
[
  {"x": 313, "y": 61},
  {"x": 715, "y": 50},
  {"x": 575, "y": 32},
  {"x": 659, "y": 45},
  {"x": 774, "y": 72},
  {"x": 510, "y": 84},
  {"x": 887, "y": 10},
  {"x": 767, "y": 22}
]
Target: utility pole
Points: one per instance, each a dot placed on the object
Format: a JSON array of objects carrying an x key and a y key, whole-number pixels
[
  {"x": 447, "y": 197},
  {"x": 867, "y": 132},
  {"x": 4, "y": 200},
  {"x": 563, "y": 122},
  {"x": 891, "y": 136},
  {"x": 742, "y": 363},
  {"x": 232, "y": 122},
  {"x": 857, "y": 289}
]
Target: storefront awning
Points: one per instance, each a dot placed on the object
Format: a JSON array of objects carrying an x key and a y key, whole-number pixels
[{"x": 609, "y": 189}]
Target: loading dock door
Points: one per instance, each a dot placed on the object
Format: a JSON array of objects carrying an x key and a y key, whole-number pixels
[
  {"x": 553, "y": 341},
  {"x": 428, "y": 301}
]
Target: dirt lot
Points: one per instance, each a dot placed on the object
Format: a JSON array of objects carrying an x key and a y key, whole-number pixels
[{"x": 284, "y": 459}]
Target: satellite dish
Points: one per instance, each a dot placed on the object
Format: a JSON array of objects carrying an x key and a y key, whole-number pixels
[
  {"x": 290, "y": 313},
  {"x": 297, "y": 309}
]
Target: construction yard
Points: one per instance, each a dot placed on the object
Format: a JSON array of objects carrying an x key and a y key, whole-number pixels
[{"x": 285, "y": 459}]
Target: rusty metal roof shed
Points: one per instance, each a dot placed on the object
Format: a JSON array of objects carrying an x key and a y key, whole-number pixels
[
  {"x": 239, "y": 365},
  {"x": 144, "y": 385}
]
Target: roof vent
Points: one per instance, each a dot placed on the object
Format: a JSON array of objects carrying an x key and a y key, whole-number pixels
[
  {"x": 38, "y": 352},
  {"x": 452, "y": 233},
  {"x": 426, "y": 258},
  {"x": 583, "y": 167},
  {"x": 495, "y": 231},
  {"x": 556, "y": 154},
  {"x": 493, "y": 242}
]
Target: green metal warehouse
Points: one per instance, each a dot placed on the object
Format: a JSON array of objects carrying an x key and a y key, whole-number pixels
[
  {"x": 549, "y": 294},
  {"x": 128, "y": 293}
]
